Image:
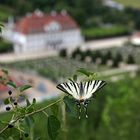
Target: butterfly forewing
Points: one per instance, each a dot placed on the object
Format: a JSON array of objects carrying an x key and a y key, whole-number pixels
[
  {"x": 71, "y": 88},
  {"x": 84, "y": 90},
  {"x": 91, "y": 87}
]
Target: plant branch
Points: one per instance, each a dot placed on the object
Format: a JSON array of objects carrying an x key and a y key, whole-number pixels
[
  {"x": 30, "y": 114},
  {"x": 45, "y": 113}
]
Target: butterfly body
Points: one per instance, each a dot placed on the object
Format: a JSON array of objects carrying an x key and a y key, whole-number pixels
[{"x": 82, "y": 92}]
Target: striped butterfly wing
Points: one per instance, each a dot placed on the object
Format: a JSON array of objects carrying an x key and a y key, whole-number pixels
[
  {"x": 91, "y": 87},
  {"x": 71, "y": 88}
]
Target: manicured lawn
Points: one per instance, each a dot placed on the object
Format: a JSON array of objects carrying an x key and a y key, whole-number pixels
[
  {"x": 130, "y": 3},
  {"x": 97, "y": 33}
]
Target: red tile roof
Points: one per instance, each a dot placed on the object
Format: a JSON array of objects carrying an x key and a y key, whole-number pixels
[{"x": 35, "y": 23}]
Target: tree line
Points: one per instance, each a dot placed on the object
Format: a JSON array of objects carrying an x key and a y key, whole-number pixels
[{"x": 88, "y": 13}]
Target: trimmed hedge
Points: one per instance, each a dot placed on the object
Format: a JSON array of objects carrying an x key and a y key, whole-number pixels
[
  {"x": 97, "y": 33},
  {"x": 5, "y": 46}
]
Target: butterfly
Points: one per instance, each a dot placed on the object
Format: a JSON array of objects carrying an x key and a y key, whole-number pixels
[{"x": 82, "y": 92}]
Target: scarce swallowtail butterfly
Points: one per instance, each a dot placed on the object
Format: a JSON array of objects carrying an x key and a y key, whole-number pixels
[{"x": 82, "y": 92}]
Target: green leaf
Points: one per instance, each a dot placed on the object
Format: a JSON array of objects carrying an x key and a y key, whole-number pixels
[
  {"x": 75, "y": 77},
  {"x": 70, "y": 106},
  {"x": 27, "y": 102},
  {"x": 21, "y": 110},
  {"x": 38, "y": 138},
  {"x": 6, "y": 101},
  {"x": 30, "y": 109},
  {"x": 1, "y": 25},
  {"x": 24, "y": 87},
  {"x": 12, "y": 84},
  {"x": 4, "y": 122},
  {"x": 85, "y": 72},
  {"x": 29, "y": 121},
  {"x": 55, "y": 109},
  {"x": 5, "y": 71},
  {"x": 10, "y": 138},
  {"x": 53, "y": 127}
]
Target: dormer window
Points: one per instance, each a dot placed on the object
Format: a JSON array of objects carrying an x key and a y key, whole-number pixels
[{"x": 52, "y": 26}]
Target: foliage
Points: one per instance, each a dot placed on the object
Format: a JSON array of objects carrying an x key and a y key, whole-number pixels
[
  {"x": 130, "y": 59},
  {"x": 63, "y": 53},
  {"x": 76, "y": 53},
  {"x": 115, "y": 63},
  {"x": 134, "y": 17},
  {"x": 22, "y": 116},
  {"x": 80, "y": 9},
  {"x": 5, "y": 12},
  {"x": 103, "y": 32},
  {"x": 53, "y": 126},
  {"x": 5, "y": 46},
  {"x": 130, "y": 3},
  {"x": 112, "y": 115},
  {"x": 1, "y": 26},
  {"x": 120, "y": 116},
  {"x": 118, "y": 58},
  {"x": 21, "y": 119},
  {"x": 108, "y": 55}
]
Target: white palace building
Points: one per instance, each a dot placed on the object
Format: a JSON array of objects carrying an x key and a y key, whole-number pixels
[{"x": 38, "y": 32}]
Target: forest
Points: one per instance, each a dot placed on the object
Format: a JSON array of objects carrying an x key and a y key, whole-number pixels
[{"x": 88, "y": 13}]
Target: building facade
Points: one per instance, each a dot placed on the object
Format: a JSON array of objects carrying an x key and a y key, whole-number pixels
[
  {"x": 39, "y": 32},
  {"x": 135, "y": 38}
]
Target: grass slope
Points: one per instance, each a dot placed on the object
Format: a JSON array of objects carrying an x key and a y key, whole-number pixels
[{"x": 130, "y": 3}]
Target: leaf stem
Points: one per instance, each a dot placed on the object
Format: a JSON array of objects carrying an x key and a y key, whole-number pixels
[
  {"x": 46, "y": 114},
  {"x": 30, "y": 114}
]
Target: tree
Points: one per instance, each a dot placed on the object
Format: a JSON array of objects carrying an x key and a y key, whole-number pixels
[
  {"x": 76, "y": 52},
  {"x": 115, "y": 63},
  {"x": 130, "y": 59},
  {"x": 108, "y": 55},
  {"x": 5, "y": 46},
  {"x": 119, "y": 57},
  {"x": 63, "y": 53},
  {"x": 104, "y": 59},
  {"x": 97, "y": 54}
]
